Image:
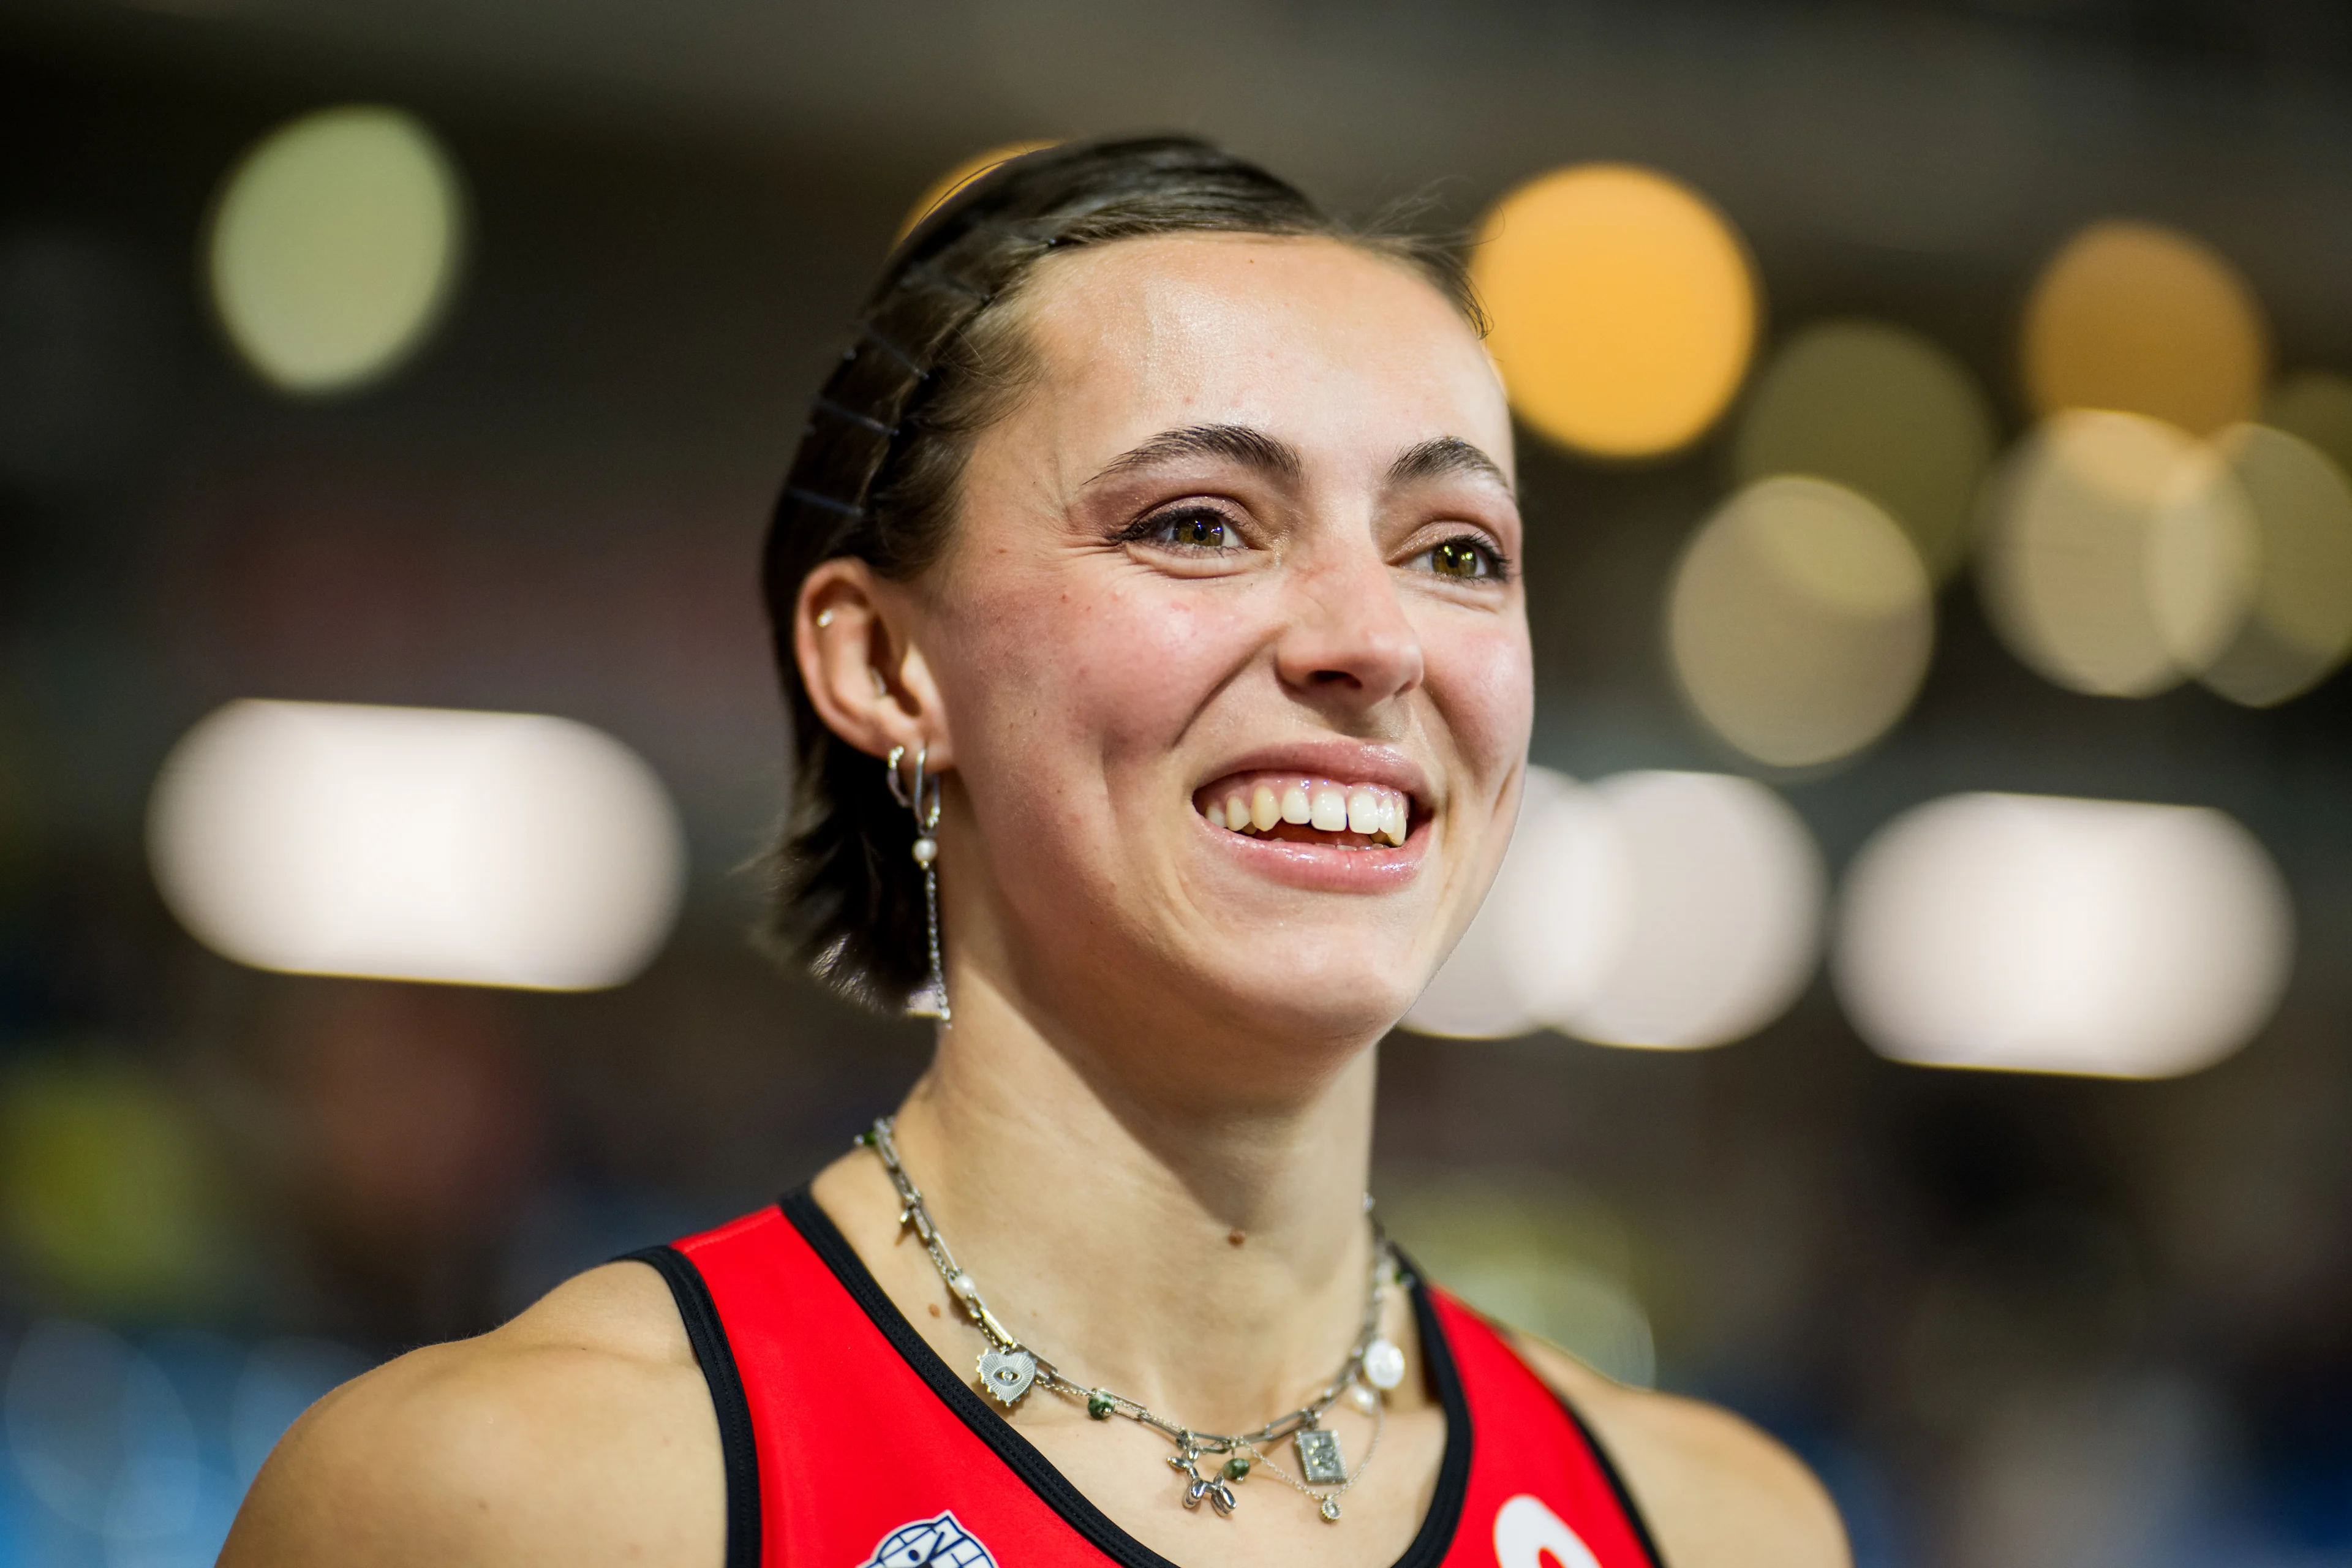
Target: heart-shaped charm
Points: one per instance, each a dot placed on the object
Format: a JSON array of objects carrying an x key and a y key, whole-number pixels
[{"x": 1007, "y": 1374}]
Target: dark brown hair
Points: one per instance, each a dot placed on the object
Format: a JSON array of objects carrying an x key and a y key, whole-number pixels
[{"x": 934, "y": 359}]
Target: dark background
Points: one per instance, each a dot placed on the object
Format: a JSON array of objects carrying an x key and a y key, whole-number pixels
[{"x": 2012, "y": 1320}]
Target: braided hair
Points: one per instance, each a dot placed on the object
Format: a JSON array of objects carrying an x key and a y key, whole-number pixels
[{"x": 934, "y": 359}]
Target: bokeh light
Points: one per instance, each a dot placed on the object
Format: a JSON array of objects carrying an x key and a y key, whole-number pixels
[
  {"x": 1799, "y": 621},
  {"x": 960, "y": 176},
  {"x": 2315, "y": 405},
  {"x": 142, "y": 1448},
  {"x": 2300, "y": 625},
  {"x": 107, "y": 1191},
  {"x": 101, "y": 1436},
  {"x": 2145, "y": 319},
  {"x": 1662, "y": 909},
  {"x": 1533, "y": 1250},
  {"x": 1722, "y": 923},
  {"x": 2120, "y": 555},
  {"x": 1624, "y": 304},
  {"x": 2041, "y": 935},
  {"x": 1547, "y": 932},
  {"x": 1879, "y": 409},
  {"x": 418, "y": 843},
  {"x": 335, "y": 245}
]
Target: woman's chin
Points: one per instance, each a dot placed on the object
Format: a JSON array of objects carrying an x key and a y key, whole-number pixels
[{"x": 1336, "y": 996}]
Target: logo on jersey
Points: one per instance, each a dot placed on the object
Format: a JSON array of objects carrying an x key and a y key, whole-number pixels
[
  {"x": 1525, "y": 1532},
  {"x": 940, "y": 1542}
]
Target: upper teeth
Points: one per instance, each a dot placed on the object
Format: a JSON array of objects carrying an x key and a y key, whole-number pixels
[{"x": 1257, "y": 804}]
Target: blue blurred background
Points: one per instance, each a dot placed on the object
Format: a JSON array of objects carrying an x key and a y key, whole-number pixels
[{"x": 1933, "y": 438}]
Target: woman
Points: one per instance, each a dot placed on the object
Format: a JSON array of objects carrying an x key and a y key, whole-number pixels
[{"x": 1145, "y": 592}]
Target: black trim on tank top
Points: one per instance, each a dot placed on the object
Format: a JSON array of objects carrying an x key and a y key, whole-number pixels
[
  {"x": 1625, "y": 1503},
  {"x": 1429, "y": 1546},
  {"x": 737, "y": 1447}
]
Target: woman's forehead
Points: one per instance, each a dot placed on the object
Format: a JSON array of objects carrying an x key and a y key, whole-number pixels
[{"x": 1325, "y": 343}]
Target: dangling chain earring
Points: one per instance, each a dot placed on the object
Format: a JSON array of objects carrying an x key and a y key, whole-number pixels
[{"x": 922, "y": 798}]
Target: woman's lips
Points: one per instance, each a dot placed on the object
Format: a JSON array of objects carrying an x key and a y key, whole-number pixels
[
  {"x": 1306, "y": 809},
  {"x": 1340, "y": 859}
]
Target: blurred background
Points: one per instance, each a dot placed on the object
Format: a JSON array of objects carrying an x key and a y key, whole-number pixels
[{"x": 1915, "y": 1013}]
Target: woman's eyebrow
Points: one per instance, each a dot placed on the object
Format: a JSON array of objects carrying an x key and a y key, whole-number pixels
[
  {"x": 1235, "y": 443},
  {"x": 1444, "y": 455}
]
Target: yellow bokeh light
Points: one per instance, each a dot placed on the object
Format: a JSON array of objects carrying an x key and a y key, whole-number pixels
[
  {"x": 2120, "y": 554},
  {"x": 2139, "y": 317},
  {"x": 335, "y": 246},
  {"x": 2300, "y": 627},
  {"x": 1799, "y": 621},
  {"x": 1882, "y": 411},
  {"x": 2315, "y": 405},
  {"x": 106, "y": 1189},
  {"x": 1624, "y": 308},
  {"x": 960, "y": 176}
]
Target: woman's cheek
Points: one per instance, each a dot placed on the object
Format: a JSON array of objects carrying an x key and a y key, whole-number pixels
[
  {"x": 1483, "y": 681},
  {"x": 1154, "y": 651},
  {"x": 1033, "y": 666}
]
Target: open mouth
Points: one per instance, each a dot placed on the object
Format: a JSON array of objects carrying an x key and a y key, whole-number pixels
[{"x": 1300, "y": 808}]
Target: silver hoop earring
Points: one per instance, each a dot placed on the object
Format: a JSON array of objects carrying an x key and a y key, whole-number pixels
[{"x": 921, "y": 797}]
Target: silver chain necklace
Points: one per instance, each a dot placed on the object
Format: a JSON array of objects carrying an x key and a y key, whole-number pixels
[{"x": 1009, "y": 1369}]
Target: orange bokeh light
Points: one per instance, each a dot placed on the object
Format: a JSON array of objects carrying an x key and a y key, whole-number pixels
[
  {"x": 2137, "y": 317},
  {"x": 1624, "y": 308}
]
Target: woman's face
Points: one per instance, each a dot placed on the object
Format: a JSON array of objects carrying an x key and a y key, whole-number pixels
[{"x": 1230, "y": 645}]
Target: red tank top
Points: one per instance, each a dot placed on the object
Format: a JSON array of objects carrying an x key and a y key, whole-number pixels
[{"x": 800, "y": 1346}]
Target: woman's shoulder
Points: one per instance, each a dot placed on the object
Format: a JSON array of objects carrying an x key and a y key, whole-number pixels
[
  {"x": 1715, "y": 1490},
  {"x": 580, "y": 1433}
]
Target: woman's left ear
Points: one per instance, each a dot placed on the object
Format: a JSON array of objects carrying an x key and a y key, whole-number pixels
[{"x": 853, "y": 638}]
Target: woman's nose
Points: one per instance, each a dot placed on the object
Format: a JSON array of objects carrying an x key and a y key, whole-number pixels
[{"x": 1349, "y": 639}]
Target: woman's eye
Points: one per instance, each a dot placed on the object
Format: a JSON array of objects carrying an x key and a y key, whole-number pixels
[
  {"x": 1193, "y": 530},
  {"x": 1463, "y": 558}
]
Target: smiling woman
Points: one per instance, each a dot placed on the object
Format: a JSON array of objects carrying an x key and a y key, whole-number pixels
[{"x": 1144, "y": 593}]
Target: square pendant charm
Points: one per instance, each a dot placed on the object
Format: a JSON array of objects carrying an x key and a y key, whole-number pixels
[{"x": 1318, "y": 1457}]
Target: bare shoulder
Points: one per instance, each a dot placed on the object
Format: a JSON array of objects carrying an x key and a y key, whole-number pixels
[
  {"x": 1717, "y": 1493},
  {"x": 581, "y": 1433}
]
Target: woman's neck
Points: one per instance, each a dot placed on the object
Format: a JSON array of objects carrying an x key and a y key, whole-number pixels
[{"x": 1207, "y": 1257}]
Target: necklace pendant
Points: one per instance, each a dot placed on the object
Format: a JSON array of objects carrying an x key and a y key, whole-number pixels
[
  {"x": 1007, "y": 1374},
  {"x": 1319, "y": 1461},
  {"x": 1331, "y": 1510},
  {"x": 1221, "y": 1497}
]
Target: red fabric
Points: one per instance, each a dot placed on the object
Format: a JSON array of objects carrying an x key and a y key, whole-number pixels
[{"x": 854, "y": 1446}]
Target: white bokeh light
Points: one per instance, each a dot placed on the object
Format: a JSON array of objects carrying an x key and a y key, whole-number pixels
[
  {"x": 1545, "y": 937},
  {"x": 2042, "y": 934},
  {"x": 1662, "y": 909},
  {"x": 416, "y": 843},
  {"x": 1722, "y": 921}
]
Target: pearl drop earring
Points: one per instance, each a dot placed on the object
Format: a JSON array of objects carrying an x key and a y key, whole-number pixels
[{"x": 921, "y": 797}]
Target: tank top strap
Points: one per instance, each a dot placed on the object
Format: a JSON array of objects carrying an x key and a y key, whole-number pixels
[
  {"x": 848, "y": 1443},
  {"x": 1542, "y": 1476}
]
